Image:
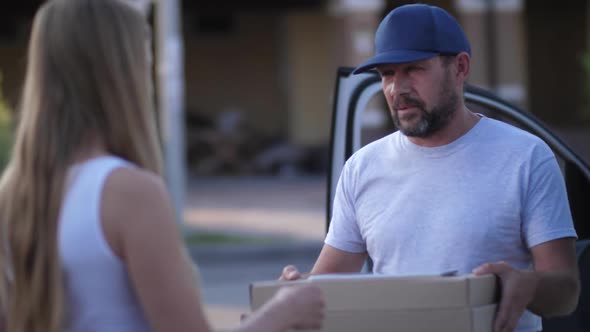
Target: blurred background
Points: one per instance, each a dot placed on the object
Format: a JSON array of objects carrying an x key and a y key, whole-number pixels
[{"x": 250, "y": 92}]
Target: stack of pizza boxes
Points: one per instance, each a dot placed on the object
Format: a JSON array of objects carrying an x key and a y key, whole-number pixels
[{"x": 380, "y": 303}]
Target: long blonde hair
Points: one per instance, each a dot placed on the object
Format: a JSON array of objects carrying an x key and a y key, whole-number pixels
[{"x": 87, "y": 76}]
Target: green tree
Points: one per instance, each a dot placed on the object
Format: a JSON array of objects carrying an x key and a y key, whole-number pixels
[{"x": 5, "y": 128}]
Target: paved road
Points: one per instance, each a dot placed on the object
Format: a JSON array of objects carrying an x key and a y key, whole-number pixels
[
  {"x": 291, "y": 207},
  {"x": 292, "y": 210},
  {"x": 227, "y": 274}
]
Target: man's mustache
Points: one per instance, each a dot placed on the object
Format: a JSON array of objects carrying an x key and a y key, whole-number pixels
[{"x": 407, "y": 101}]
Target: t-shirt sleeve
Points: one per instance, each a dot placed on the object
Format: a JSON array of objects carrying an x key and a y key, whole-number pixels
[
  {"x": 344, "y": 233},
  {"x": 546, "y": 214}
]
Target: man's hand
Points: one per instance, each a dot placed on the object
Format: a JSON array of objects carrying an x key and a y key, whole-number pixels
[
  {"x": 518, "y": 291},
  {"x": 291, "y": 273},
  {"x": 551, "y": 290},
  {"x": 331, "y": 260}
]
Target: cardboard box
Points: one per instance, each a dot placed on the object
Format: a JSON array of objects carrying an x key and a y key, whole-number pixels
[{"x": 359, "y": 302}]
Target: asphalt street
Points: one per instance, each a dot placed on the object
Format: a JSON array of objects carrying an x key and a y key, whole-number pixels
[{"x": 286, "y": 216}]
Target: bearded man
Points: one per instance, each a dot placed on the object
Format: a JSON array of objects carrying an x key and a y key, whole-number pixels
[{"x": 452, "y": 189}]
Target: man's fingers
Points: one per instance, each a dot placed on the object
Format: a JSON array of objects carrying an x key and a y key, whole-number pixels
[
  {"x": 501, "y": 317},
  {"x": 503, "y": 313},
  {"x": 290, "y": 272},
  {"x": 289, "y": 269},
  {"x": 506, "y": 325},
  {"x": 492, "y": 268},
  {"x": 515, "y": 294},
  {"x": 512, "y": 322},
  {"x": 508, "y": 313}
]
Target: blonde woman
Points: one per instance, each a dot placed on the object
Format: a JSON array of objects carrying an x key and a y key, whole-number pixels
[{"x": 88, "y": 231}]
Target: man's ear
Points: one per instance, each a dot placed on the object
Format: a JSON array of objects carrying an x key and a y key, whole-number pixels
[{"x": 463, "y": 66}]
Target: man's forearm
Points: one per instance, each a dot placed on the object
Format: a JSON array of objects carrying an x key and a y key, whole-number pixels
[
  {"x": 556, "y": 292},
  {"x": 332, "y": 260}
]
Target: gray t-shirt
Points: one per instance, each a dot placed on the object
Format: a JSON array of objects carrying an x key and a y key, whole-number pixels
[{"x": 490, "y": 195}]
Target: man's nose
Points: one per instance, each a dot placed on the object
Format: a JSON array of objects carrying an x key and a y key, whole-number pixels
[{"x": 398, "y": 86}]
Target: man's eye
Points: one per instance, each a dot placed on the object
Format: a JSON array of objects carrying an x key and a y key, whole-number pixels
[{"x": 386, "y": 73}]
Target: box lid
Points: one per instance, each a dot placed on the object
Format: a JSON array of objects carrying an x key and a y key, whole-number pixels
[{"x": 345, "y": 292}]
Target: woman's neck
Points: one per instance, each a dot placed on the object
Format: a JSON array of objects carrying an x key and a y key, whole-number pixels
[{"x": 94, "y": 148}]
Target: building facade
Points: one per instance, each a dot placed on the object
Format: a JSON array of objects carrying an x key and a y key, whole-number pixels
[{"x": 270, "y": 65}]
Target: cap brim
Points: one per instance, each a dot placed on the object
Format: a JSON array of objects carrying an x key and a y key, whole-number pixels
[{"x": 393, "y": 57}]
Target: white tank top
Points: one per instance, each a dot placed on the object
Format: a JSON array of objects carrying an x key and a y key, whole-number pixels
[{"x": 99, "y": 295}]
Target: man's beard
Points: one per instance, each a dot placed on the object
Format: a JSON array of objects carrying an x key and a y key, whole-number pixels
[{"x": 430, "y": 121}]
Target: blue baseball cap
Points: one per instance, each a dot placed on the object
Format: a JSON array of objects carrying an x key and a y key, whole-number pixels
[{"x": 416, "y": 32}]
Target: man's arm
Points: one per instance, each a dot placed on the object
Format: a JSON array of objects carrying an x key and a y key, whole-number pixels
[
  {"x": 558, "y": 283},
  {"x": 552, "y": 289},
  {"x": 331, "y": 260}
]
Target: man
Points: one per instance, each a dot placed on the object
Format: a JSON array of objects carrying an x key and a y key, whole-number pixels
[{"x": 452, "y": 190}]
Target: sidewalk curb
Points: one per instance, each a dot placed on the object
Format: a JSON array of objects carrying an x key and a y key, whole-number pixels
[{"x": 228, "y": 253}]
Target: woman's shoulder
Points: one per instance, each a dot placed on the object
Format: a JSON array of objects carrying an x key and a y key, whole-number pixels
[
  {"x": 133, "y": 194},
  {"x": 135, "y": 202},
  {"x": 127, "y": 188},
  {"x": 133, "y": 180}
]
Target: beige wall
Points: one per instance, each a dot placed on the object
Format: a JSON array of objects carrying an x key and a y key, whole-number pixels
[
  {"x": 277, "y": 70},
  {"x": 509, "y": 53},
  {"x": 311, "y": 72},
  {"x": 512, "y": 47},
  {"x": 318, "y": 43},
  {"x": 473, "y": 24},
  {"x": 238, "y": 71}
]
